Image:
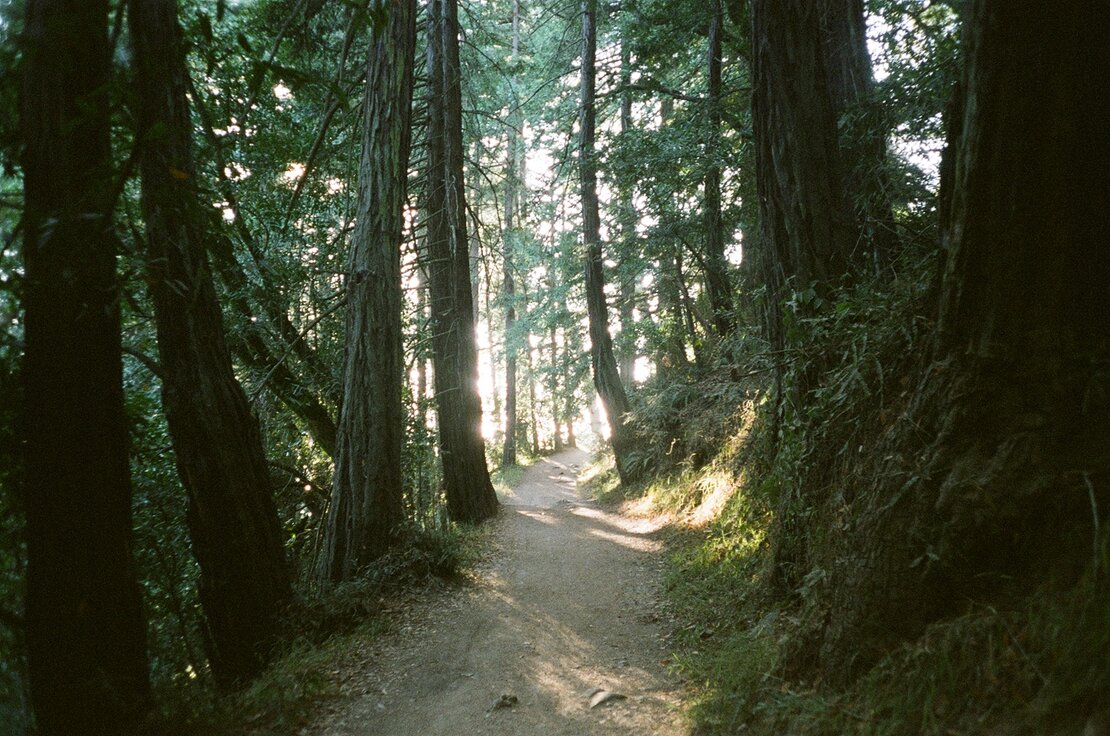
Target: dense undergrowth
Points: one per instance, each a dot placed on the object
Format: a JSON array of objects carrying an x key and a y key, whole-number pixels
[{"x": 1024, "y": 659}]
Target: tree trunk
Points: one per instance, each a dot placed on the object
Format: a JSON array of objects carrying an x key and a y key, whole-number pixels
[
  {"x": 553, "y": 387},
  {"x": 508, "y": 455},
  {"x": 1016, "y": 479},
  {"x": 804, "y": 209},
  {"x": 533, "y": 419},
  {"x": 606, "y": 376},
  {"x": 717, "y": 283},
  {"x": 366, "y": 503},
  {"x": 626, "y": 343},
  {"x": 809, "y": 231},
  {"x": 470, "y": 494},
  {"x": 236, "y": 536},
  {"x": 862, "y": 132},
  {"x": 86, "y": 641}
]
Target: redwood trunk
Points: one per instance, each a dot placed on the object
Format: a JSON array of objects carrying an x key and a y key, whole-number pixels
[
  {"x": 606, "y": 376},
  {"x": 717, "y": 282},
  {"x": 236, "y": 536},
  {"x": 470, "y": 494},
  {"x": 508, "y": 454},
  {"x": 626, "y": 342},
  {"x": 84, "y": 626},
  {"x": 366, "y": 504},
  {"x": 1015, "y": 481},
  {"x": 862, "y": 132}
]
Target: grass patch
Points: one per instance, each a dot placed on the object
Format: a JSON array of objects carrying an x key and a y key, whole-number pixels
[
  {"x": 599, "y": 481},
  {"x": 507, "y": 477}
]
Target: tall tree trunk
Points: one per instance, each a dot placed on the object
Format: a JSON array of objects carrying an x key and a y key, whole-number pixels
[
  {"x": 366, "y": 503},
  {"x": 804, "y": 209},
  {"x": 508, "y": 455},
  {"x": 533, "y": 418},
  {"x": 85, "y": 633},
  {"x": 470, "y": 494},
  {"x": 235, "y": 532},
  {"x": 626, "y": 342},
  {"x": 1015, "y": 480},
  {"x": 604, "y": 365},
  {"x": 862, "y": 132},
  {"x": 508, "y": 452},
  {"x": 553, "y": 387},
  {"x": 808, "y": 226},
  {"x": 810, "y": 67},
  {"x": 718, "y": 285}
]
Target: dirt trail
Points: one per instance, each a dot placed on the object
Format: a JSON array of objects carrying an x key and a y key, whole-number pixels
[{"x": 566, "y": 604}]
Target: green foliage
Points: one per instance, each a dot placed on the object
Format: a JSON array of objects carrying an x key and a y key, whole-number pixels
[
  {"x": 1020, "y": 664},
  {"x": 1036, "y": 668}
]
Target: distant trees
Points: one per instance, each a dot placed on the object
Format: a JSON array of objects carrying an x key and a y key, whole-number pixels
[
  {"x": 470, "y": 494},
  {"x": 84, "y": 624},
  {"x": 366, "y": 505},
  {"x": 235, "y": 532}
]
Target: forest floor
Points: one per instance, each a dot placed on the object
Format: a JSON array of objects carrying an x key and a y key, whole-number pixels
[{"x": 566, "y": 608}]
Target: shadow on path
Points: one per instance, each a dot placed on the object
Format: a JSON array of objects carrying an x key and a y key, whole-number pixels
[{"x": 566, "y": 605}]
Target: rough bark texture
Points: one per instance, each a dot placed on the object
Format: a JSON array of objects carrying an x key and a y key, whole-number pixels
[
  {"x": 470, "y": 494},
  {"x": 508, "y": 453},
  {"x": 1016, "y": 478},
  {"x": 862, "y": 132},
  {"x": 717, "y": 282},
  {"x": 366, "y": 503},
  {"x": 85, "y": 633},
  {"x": 805, "y": 217},
  {"x": 607, "y": 379},
  {"x": 807, "y": 61},
  {"x": 626, "y": 342},
  {"x": 233, "y": 525}
]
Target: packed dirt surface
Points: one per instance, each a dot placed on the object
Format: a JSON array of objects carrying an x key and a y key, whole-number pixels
[{"x": 563, "y": 614}]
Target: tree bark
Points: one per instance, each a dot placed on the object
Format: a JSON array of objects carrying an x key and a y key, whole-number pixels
[
  {"x": 236, "y": 536},
  {"x": 366, "y": 503},
  {"x": 811, "y": 68},
  {"x": 1015, "y": 480},
  {"x": 553, "y": 386},
  {"x": 604, "y": 366},
  {"x": 717, "y": 282},
  {"x": 626, "y": 343},
  {"x": 508, "y": 454},
  {"x": 862, "y": 132},
  {"x": 470, "y": 494},
  {"x": 86, "y": 640},
  {"x": 809, "y": 230},
  {"x": 806, "y": 220}
]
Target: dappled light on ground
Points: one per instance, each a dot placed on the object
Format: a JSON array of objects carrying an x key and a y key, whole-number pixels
[{"x": 566, "y": 605}]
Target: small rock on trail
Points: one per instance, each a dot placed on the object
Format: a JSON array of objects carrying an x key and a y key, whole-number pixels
[{"x": 565, "y": 603}]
